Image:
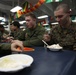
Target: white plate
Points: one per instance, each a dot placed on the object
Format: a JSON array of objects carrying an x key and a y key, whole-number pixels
[{"x": 15, "y": 62}]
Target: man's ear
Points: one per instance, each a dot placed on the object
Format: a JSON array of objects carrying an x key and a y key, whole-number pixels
[{"x": 69, "y": 12}]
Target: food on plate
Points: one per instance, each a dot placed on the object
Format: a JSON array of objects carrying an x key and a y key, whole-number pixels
[{"x": 9, "y": 63}]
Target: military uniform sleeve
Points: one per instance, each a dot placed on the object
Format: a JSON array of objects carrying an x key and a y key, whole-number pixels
[
  {"x": 5, "y": 46},
  {"x": 21, "y": 36}
]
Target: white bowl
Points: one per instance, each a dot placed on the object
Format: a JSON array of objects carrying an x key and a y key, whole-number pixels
[{"x": 54, "y": 47}]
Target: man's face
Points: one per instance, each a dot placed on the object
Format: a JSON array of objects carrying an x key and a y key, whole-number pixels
[
  {"x": 13, "y": 27},
  {"x": 61, "y": 17},
  {"x": 30, "y": 22}
]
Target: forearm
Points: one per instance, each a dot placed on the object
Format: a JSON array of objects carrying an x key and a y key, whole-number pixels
[{"x": 5, "y": 46}]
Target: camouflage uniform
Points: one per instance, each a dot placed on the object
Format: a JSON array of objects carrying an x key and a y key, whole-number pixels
[
  {"x": 33, "y": 37},
  {"x": 5, "y": 46},
  {"x": 5, "y": 49},
  {"x": 18, "y": 35},
  {"x": 66, "y": 37}
]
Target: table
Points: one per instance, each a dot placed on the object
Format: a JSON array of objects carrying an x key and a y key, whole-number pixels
[{"x": 49, "y": 63}]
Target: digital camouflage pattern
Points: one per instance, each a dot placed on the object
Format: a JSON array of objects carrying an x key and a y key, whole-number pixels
[{"x": 66, "y": 37}]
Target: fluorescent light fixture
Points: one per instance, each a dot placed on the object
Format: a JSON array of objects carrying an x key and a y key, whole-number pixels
[
  {"x": 2, "y": 23},
  {"x": 5, "y": 26},
  {"x": 15, "y": 9},
  {"x": 54, "y": 23},
  {"x": 3, "y": 19},
  {"x": 44, "y": 16},
  {"x": 45, "y": 24},
  {"x": 73, "y": 20},
  {"x": 70, "y": 9},
  {"x": 22, "y": 22},
  {"x": 56, "y": 0},
  {"x": 21, "y": 26}
]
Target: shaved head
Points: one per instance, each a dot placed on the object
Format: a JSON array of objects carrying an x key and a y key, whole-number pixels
[{"x": 65, "y": 8}]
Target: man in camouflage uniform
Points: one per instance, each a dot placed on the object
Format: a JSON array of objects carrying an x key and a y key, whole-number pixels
[
  {"x": 17, "y": 32},
  {"x": 65, "y": 32},
  {"x": 33, "y": 32}
]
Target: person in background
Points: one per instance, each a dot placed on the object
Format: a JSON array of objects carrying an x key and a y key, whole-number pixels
[
  {"x": 3, "y": 33},
  {"x": 33, "y": 32},
  {"x": 8, "y": 46},
  {"x": 64, "y": 33},
  {"x": 11, "y": 31},
  {"x": 17, "y": 33}
]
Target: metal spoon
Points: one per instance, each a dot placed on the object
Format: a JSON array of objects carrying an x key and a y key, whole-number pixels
[{"x": 45, "y": 43}]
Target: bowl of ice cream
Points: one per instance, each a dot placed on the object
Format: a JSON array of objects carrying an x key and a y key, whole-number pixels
[{"x": 54, "y": 47}]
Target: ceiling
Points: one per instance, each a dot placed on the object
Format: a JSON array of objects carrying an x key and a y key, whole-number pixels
[{"x": 46, "y": 8}]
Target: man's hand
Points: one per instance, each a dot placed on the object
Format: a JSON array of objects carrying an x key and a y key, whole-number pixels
[
  {"x": 16, "y": 41},
  {"x": 46, "y": 37},
  {"x": 15, "y": 45}
]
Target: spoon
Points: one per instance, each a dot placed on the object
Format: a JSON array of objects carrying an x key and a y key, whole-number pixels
[{"x": 45, "y": 43}]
